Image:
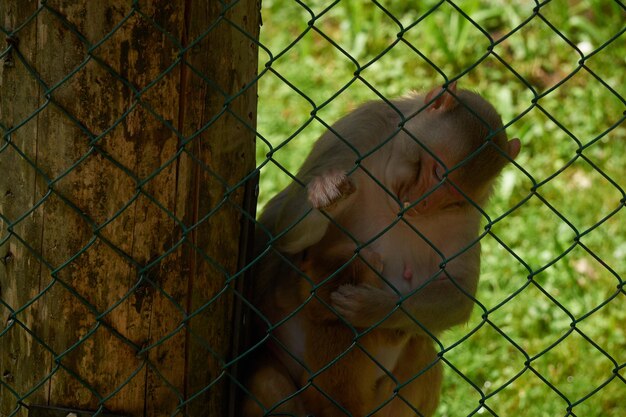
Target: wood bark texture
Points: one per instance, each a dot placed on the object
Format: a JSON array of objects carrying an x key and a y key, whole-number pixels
[{"x": 121, "y": 197}]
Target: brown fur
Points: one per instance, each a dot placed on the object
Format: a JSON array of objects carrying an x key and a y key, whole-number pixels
[
  {"x": 345, "y": 363},
  {"x": 345, "y": 333}
]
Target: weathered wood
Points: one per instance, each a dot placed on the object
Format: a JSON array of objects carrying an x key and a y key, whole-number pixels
[
  {"x": 133, "y": 246},
  {"x": 218, "y": 158},
  {"x": 23, "y": 361}
]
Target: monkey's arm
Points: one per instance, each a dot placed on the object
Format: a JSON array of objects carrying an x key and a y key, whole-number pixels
[
  {"x": 301, "y": 214},
  {"x": 443, "y": 302},
  {"x": 324, "y": 184},
  {"x": 364, "y": 306}
]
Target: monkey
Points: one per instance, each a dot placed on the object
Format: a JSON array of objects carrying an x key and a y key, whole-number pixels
[
  {"x": 333, "y": 357},
  {"x": 393, "y": 194},
  {"x": 337, "y": 354}
]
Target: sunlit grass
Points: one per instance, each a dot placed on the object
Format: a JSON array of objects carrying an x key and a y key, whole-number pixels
[{"x": 551, "y": 327}]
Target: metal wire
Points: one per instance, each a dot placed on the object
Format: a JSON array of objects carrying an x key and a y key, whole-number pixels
[{"x": 17, "y": 392}]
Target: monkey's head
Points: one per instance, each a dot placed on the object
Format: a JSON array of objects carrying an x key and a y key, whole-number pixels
[{"x": 457, "y": 145}]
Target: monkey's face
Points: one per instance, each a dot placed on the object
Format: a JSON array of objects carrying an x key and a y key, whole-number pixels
[
  {"x": 422, "y": 183},
  {"x": 452, "y": 168}
]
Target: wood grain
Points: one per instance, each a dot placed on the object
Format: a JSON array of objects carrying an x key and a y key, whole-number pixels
[{"x": 122, "y": 242}]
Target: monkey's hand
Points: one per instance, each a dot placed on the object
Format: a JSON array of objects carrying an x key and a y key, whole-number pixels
[
  {"x": 326, "y": 190},
  {"x": 363, "y": 305}
]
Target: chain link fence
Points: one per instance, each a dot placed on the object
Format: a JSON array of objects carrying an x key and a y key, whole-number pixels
[
  {"x": 95, "y": 233},
  {"x": 122, "y": 194}
]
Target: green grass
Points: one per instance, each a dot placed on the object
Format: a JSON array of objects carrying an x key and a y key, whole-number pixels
[{"x": 534, "y": 297}]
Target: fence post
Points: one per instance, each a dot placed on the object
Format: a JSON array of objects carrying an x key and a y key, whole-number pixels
[{"x": 127, "y": 128}]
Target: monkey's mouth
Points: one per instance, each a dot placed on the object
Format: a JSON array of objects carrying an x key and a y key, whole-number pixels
[
  {"x": 409, "y": 206},
  {"x": 413, "y": 198}
]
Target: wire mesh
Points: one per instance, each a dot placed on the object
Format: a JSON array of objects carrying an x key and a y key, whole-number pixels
[
  {"x": 113, "y": 189},
  {"x": 547, "y": 335}
]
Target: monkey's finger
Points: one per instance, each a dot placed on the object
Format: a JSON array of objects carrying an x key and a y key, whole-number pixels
[
  {"x": 327, "y": 189},
  {"x": 346, "y": 186},
  {"x": 343, "y": 303},
  {"x": 338, "y": 299},
  {"x": 344, "y": 290},
  {"x": 344, "y": 312}
]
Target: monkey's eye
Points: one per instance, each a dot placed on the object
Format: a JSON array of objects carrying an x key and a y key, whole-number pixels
[
  {"x": 440, "y": 171},
  {"x": 417, "y": 169},
  {"x": 456, "y": 205}
]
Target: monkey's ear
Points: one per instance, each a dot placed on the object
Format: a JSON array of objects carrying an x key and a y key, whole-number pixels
[
  {"x": 446, "y": 100},
  {"x": 513, "y": 148}
]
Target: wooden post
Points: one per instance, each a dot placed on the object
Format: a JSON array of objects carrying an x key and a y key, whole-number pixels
[{"x": 127, "y": 129}]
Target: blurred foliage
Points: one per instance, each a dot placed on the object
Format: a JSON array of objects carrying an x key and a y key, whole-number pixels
[{"x": 550, "y": 333}]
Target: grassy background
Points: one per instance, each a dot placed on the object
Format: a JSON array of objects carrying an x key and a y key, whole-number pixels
[{"x": 527, "y": 358}]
